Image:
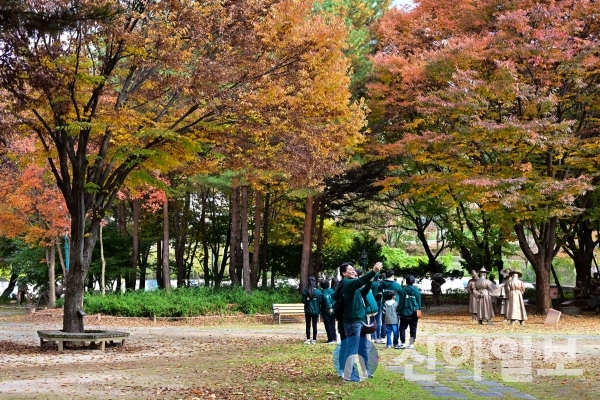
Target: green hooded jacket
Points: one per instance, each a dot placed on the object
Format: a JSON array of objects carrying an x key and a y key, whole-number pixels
[
  {"x": 312, "y": 305},
  {"x": 410, "y": 302}
]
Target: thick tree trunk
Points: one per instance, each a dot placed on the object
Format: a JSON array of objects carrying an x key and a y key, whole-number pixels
[
  {"x": 580, "y": 247},
  {"x": 306, "y": 243},
  {"x": 12, "y": 282},
  {"x": 82, "y": 245},
  {"x": 166, "y": 272},
  {"x": 234, "y": 234},
  {"x": 51, "y": 257},
  {"x": 256, "y": 252},
  {"x": 319, "y": 238},
  {"x": 265, "y": 241},
  {"x": 312, "y": 271},
  {"x": 245, "y": 240},
  {"x": 540, "y": 261},
  {"x": 135, "y": 243}
]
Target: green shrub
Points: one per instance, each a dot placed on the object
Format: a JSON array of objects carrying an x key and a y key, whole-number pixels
[{"x": 189, "y": 302}]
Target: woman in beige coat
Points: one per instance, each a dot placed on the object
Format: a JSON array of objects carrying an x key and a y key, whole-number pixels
[{"x": 515, "y": 310}]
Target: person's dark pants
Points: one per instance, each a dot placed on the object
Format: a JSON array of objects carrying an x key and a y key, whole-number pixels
[
  {"x": 329, "y": 324},
  {"x": 405, "y": 323},
  {"x": 309, "y": 319}
]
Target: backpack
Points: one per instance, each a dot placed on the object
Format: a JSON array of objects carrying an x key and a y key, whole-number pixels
[
  {"x": 327, "y": 304},
  {"x": 410, "y": 302}
]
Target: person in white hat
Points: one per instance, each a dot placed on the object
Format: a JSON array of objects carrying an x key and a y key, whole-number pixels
[
  {"x": 472, "y": 297},
  {"x": 485, "y": 308},
  {"x": 515, "y": 310}
]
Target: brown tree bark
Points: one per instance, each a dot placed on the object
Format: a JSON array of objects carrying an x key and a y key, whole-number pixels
[
  {"x": 135, "y": 242},
  {"x": 235, "y": 238},
  {"x": 181, "y": 223},
  {"x": 245, "y": 240},
  {"x": 544, "y": 236},
  {"x": 254, "y": 269},
  {"x": 51, "y": 257},
  {"x": 319, "y": 238},
  {"x": 204, "y": 238},
  {"x": 306, "y": 243},
  {"x": 265, "y": 240},
  {"x": 12, "y": 282},
  {"x": 160, "y": 283},
  {"x": 166, "y": 273}
]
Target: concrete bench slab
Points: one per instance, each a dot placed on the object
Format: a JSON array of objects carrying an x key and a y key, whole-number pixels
[{"x": 93, "y": 336}]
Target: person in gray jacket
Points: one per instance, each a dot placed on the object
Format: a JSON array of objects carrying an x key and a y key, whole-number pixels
[{"x": 391, "y": 319}]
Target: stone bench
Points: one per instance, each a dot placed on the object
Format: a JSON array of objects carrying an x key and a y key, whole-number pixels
[{"x": 93, "y": 336}]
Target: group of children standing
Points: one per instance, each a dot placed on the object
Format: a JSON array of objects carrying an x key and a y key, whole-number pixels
[{"x": 389, "y": 305}]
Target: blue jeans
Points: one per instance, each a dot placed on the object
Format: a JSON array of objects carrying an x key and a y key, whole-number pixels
[
  {"x": 353, "y": 349},
  {"x": 389, "y": 328}
]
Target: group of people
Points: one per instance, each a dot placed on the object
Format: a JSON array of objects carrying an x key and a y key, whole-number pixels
[
  {"x": 358, "y": 302},
  {"x": 482, "y": 291}
]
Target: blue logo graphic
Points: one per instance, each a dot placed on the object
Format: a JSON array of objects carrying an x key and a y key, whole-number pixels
[{"x": 359, "y": 359}]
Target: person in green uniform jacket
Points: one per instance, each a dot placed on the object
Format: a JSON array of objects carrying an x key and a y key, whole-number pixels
[
  {"x": 311, "y": 298},
  {"x": 407, "y": 310},
  {"x": 327, "y": 311},
  {"x": 351, "y": 292},
  {"x": 389, "y": 283}
]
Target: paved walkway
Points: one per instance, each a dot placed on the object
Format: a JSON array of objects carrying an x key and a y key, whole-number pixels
[{"x": 446, "y": 381}]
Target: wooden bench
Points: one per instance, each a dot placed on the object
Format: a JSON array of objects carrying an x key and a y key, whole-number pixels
[
  {"x": 92, "y": 336},
  {"x": 280, "y": 310}
]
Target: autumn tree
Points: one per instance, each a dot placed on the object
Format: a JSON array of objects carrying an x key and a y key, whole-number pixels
[
  {"x": 497, "y": 99},
  {"x": 108, "y": 86}
]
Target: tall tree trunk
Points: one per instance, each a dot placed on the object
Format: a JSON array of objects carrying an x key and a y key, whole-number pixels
[
  {"x": 51, "y": 257},
  {"x": 135, "y": 243},
  {"x": 265, "y": 241},
  {"x": 166, "y": 273},
  {"x": 226, "y": 255},
  {"x": 546, "y": 246},
  {"x": 103, "y": 262},
  {"x": 160, "y": 283},
  {"x": 181, "y": 222},
  {"x": 580, "y": 247},
  {"x": 313, "y": 224},
  {"x": 144, "y": 255},
  {"x": 119, "y": 286},
  {"x": 245, "y": 241},
  {"x": 234, "y": 234},
  {"x": 256, "y": 252},
  {"x": 319, "y": 238},
  {"x": 12, "y": 282},
  {"x": 306, "y": 243},
  {"x": 82, "y": 246},
  {"x": 204, "y": 237}
]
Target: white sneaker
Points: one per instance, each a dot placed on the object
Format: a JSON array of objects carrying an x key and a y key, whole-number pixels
[
  {"x": 402, "y": 346},
  {"x": 410, "y": 346},
  {"x": 307, "y": 341},
  {"x": 313, "y": 341}
]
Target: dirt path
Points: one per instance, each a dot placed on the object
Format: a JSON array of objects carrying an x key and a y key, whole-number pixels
[{"x": 170, "y": 359}]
